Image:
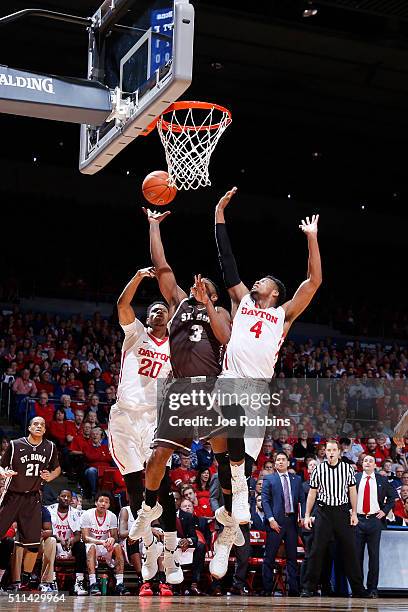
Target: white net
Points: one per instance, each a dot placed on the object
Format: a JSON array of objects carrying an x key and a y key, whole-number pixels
[{"x": 189, "y": 136}]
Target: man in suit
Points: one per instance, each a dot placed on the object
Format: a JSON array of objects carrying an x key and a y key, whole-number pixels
[
  {"x": 188, "y": 539},
  {"x": 375, "y": 498},
  {"x": 281, "y": 495},
  {"x": 258, "y": 515}
]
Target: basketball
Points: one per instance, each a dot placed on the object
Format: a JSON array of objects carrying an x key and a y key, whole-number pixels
[{"x": 156, "y": 188}]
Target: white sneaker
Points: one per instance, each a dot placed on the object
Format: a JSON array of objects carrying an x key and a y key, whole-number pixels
[
  {"x": 222, "y": 549},
  {"x": 227, "y": 520},
  {"x": 150, "y": 554},
  {"x": 79, "y": 588},
  {"x": 172, "y": 569},
  {"x": 145, "y": 517},
  {"x": 47, "y": 587},
  {"x": 239, "y": 488}
]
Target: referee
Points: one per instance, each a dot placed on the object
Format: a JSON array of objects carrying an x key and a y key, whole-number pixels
[{"x": 333, "y": 482}]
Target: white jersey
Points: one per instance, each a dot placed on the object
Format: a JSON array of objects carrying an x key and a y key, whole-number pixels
[
  {"x": 131, "y": 518},
  {"x": 256, "y": 337},
  {"x": 64, "y": 524},
  {"x": 144, "y": 359},
  {"x": 99, "y": 526}
]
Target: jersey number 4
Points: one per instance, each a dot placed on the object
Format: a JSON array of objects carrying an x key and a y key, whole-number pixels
[
  {"x": 150, "y": 368},
  {"x": 257, "y": 329}
]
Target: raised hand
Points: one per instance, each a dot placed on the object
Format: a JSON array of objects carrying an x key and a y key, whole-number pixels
[
  {"x": 310, "y": 226},
  {"x": 149, "y": 272},
  {"x": 155, "y": 217},
  {"x": 224, "y": 201},
  {"x": 199, "y": 290},
  {"x": 8, "y": 473}
]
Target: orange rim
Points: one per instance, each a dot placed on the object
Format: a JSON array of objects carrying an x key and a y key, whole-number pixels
[{"x": 185, "y": 105}]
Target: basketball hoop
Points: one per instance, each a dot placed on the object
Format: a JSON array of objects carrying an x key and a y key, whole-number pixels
[{"x": 190, "y": 132}]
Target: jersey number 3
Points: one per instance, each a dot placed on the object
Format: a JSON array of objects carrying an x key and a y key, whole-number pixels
[{"x": 257, "y": 329}]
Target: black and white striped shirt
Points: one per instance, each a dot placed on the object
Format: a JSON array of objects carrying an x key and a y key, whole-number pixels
[{"x": 333, "y": 482}]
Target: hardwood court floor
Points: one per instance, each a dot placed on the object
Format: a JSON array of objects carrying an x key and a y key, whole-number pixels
[{"x": 206, "y": 604}]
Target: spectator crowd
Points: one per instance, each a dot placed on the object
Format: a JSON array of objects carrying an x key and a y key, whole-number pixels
[{"x": 66, "y": 370}]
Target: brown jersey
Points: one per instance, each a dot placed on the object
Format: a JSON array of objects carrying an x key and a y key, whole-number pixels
[
  {"x": 194, "y": 349},
  {"x": 28, "y": 461}
]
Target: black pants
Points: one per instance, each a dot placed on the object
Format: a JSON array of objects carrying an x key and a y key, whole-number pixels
[
  {"x": 369, "y": 533},
  {"x": 289, "y": 534},
  {"x": 307, "y": 539},
  {"x": 197, "y": 567},
  {"x": 242, "y": 554},
  {"x": 334, "y": 521},
  {"x": 78, "y": 551}
]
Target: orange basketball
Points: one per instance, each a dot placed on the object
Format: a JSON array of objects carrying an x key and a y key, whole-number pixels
[{"x": 156, "y": 188}]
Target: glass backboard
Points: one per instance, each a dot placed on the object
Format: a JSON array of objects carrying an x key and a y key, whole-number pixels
[{"x": 143, "y": 51}]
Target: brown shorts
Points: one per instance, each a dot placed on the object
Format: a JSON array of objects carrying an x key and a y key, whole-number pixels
[{"x": 25, "y": 510}]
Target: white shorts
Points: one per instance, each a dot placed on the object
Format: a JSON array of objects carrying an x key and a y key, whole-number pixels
[
  {"x": 230, "y": 388},
  {"x": 101, "y": 552},
  {"x": 130, "y": 437}
]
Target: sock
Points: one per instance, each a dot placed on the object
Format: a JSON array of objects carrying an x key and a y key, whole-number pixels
[
  {"x": 238, "y": 471},
  {"x": 92, "y": 579},
  {"x": 227, "y": 501},
  {"x": 170, "y": 540},
  {"x": 151, "y": 497},
  {"x": 79, "y": 576},
  {"x": 119, "y": 579}
]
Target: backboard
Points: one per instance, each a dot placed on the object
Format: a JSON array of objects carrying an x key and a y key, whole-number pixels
[{"x": 143, "y": 51}]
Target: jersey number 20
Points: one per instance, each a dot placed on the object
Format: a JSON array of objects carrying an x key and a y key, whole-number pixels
[
  {"x": 150, "y": 368},
  {"x": 257, "y": 329}
]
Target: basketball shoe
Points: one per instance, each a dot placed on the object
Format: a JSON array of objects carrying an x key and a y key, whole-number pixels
[
  {"x": 172, "y": 569},
  {"x": 230, "y": 522},
  {"x": 222, "y": 549},
  {"x": 150, "y": 554},
  {"x": 145, "y": 516}
]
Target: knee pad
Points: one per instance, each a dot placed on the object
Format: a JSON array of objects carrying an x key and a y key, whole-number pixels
[
  {"x": 224, "y": 470},
  {"x": 236, "y": 449}
]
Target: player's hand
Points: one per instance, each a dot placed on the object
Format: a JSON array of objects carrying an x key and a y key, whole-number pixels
[
  {"x": 199, "y": 290},
  {"x": 307, "y": 523},
  {"x": 309, "y": 227},
  {"x": 158, "y": 533},
  {"x": 183, "y": 544},
  {"x": 5, "y": 473},
  {"x": 353, "y": 519},
  {"x": 155, "y": 217},
  {"x": 45, "y": 475},
  {"x": 274, "y": 525},
  {"x": 149, "y": 272},
  {"x": 224, "y": 201},
  {"x": 109, "y": 544}
]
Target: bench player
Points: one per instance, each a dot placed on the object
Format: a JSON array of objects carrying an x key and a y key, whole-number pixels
[
  {"x": 197, "y": 333},
  {"x": 26, "y": 464},
  {"x": 99, "y": 528},
  {"x": 261, "y": 320},
  {"x": 133, "y": 418}
]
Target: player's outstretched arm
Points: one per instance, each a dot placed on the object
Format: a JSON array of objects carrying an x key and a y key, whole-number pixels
[
  {"x": 126, "y": 313},
  {"x": 308, "y": 288},
  {"x": 401, "y": 428},
  {"x": 171, "y": 292},
  {"x": 233, "y": 283}
]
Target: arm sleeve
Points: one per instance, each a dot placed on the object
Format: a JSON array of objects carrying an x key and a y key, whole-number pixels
[
  {"x": 314, "y": 479},
  {"x": 351, "y": 480},
  {"x": 226, "y": 257}
]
